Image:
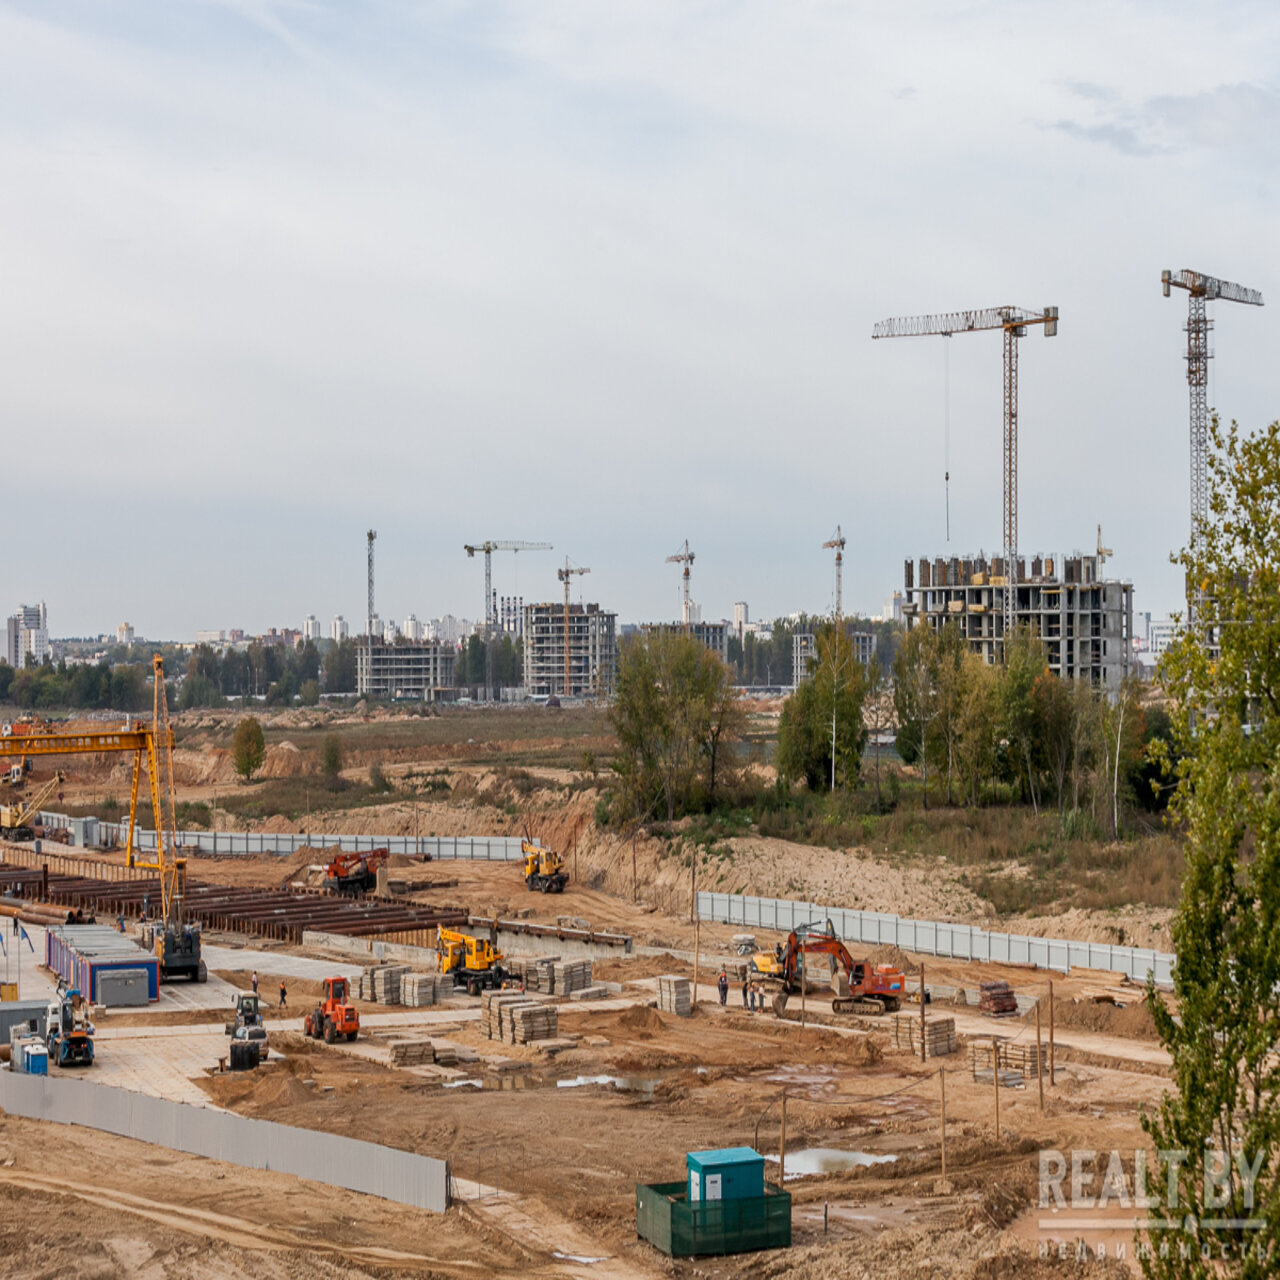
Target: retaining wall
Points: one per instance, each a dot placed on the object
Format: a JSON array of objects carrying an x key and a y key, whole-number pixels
[
  {"x": 937, "y": 938},
  {"x": 402, "y": 1176}
]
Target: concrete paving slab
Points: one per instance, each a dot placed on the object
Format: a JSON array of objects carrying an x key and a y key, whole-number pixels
[{"x": 277, "y": 962}]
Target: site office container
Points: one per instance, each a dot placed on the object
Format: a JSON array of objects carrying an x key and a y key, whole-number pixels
[
  {"x": 78, "y": 954},
  {"x": 668, "y": 1221},
  {"x": 730, "y": 1173}
]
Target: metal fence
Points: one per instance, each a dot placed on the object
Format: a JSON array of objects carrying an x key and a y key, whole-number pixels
[
  {"x": 232, "y": 843},
  {"x": 402, "y": 1176},
  {"x": 936, "y": 938}
]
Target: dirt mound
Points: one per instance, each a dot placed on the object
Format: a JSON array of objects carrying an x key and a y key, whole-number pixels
[
  {"x": 892, "y": 955},
  {"x": 284, "y": 760},
  {"x": 1133, "y": 1020},
  {"x": 641, "y": 1018}
]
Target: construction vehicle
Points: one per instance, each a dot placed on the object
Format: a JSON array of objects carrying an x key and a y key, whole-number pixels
[
  {"x": 354, "y": 872},
  {"x": 474, "y": 962},
  {"x": 335, "y": 1015},
  {"x": 543, "y": 869},
  {"x": 69, "y": 1037},
  {"x": 248, "y": 1013},
  {"x": 859, "y": 986},
  {"x": 16, "y": 819}
]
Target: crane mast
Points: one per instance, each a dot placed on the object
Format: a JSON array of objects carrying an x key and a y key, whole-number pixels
[
  {"x": 1201, "y": 289},
  {"x": 685, "y": 558},
  {"x": 565, "y": 575},
  {"x": 489, "y": 546},
  {"x": 1013, "y": 323},
  {"x": 838, "y": 542}
]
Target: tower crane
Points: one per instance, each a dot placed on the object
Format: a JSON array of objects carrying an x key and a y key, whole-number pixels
[
  {"x": 1201, "y": 289},
  {"x": 838, "y": 542},
  {"x": 1013, "y": 322},
  {"x": 685, "y": 558},
  {"x": 489, "y": 546},
  {"x": 565, "y": 575}
]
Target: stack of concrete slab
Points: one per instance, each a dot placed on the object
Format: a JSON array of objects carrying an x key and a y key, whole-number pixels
[
  {"x": 539, "y": 975},
  {"x": 491, "y": 1003},
  {"x": 417, "y": 990},
  {"x": 412, "y": 1053},
  {"x": 381, "y": 984},
  {"x": 591, "y": 993},
  {"x": 523, "y": 1023},
  {"x": 569, "y": 976},
  {"x": 675, "y": 995},
  {"x": 939, "y": 1035}
]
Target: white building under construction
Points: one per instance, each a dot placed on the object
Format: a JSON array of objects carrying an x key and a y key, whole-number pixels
[
  {"x": 418, "y": 671},
  {"x": 1084, "y": 620},
  {"x": 593, "y": 650}
]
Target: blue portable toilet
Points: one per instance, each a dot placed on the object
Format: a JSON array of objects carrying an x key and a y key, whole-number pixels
[{"x": 731, "y": 1173}]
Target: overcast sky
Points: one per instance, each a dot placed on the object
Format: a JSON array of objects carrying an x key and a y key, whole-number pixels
[{"x": 274, "y": 272}]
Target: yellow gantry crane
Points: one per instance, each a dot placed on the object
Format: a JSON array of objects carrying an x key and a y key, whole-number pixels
[
  {"x": 685, "y": 558},
  {"x": 565, "y": 575},
  {"x": 1013, "y": 322},
  {"x": 177, "y": 944}
]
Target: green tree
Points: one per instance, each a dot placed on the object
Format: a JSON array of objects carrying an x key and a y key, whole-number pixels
[
  {"x": 913, "y": 698},
  {"x": 1024, "y": 664},
  {"x": 331, "y": 756},
  {"x": 821, "y": 733},
  {"x": 199, "y": 691},
  {"x": 1224, "y": 679},
  {"x": 947, "y": 672},
  {"x": 309, "y": 693},
  {"x": 340, "y": 668},
  {"x": 677, "y": 722},
  {"x": 248, "y": 748}
]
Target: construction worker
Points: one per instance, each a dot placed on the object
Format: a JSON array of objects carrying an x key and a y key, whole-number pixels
[
  {"x": 255, "y": 982},
  {"x": 745, "y": 985},
  {"x": 722, "y": 985},
  {"x": 751, "y": 997},
  {"x": 283, "y": 993}
]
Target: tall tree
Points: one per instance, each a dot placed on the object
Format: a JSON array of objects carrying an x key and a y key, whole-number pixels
[
  {"x": 248, "y": 749},
  {"x": 821, "y": 733},
  {"x": 1223, "y": 1115},
  {"x": 913, "y": 695}
]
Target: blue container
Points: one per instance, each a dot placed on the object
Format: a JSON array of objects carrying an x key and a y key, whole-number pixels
[
  {"x": 732, "y": 1173},
  {"x": 36, "y": 1059}
]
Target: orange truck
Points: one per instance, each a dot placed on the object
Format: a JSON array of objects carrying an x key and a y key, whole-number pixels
[
  {"x": 354, "y": 872},
  {"x": 335, "y": 1015}
]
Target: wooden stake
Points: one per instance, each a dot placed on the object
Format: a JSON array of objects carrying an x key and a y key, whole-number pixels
[
  {"x": 635, "y": 882},
  {"x": 995, "y": 1079},
  {"x": 1039, "y": 1057},
  {"x": 693, "y": 884},
  {"x": 922, "y": 1024},
  {"x": 782, "y": 1143},
  {"x": 804, "y": 951},
  {"x": 942, "y": 1084},
  {"x": 1051, "y": 1063}
]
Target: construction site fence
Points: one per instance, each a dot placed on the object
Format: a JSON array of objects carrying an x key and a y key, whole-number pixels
[
  {"x": 401, "y": 1176},
  {"x": 938, "y": 938},
  {"x": 243, "y": 843}
]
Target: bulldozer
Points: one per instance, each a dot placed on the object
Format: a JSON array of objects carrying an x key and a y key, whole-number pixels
[
  {"x": 858, "y": 986},
  {"x": 475, "y": 963},
  {"x": 16, "y": 819},
  {"x": 354, "y": 872},
  {"x": 335, "y": 1015},
  {"x": 543, "y": 869}
]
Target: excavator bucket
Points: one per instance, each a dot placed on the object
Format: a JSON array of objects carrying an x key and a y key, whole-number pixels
[{"x": 780, "y": 1003}]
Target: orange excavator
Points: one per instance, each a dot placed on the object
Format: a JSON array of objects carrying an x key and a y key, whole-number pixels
[
  {"x": 859, "y": 986},
  {"x": 354, "y": 872}
]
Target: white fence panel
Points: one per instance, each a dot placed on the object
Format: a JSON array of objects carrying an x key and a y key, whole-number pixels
[{"x": 938, "y": 938}]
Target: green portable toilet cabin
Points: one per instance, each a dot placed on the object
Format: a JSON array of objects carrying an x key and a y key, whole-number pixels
[{"x": 732, "y": 1173}]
